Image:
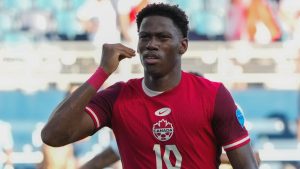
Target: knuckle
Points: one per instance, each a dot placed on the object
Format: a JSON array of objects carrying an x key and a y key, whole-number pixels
[{"x": 104, "y": 46}]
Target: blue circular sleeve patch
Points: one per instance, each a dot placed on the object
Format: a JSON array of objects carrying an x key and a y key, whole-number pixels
[{"x": 240, "y": 116}]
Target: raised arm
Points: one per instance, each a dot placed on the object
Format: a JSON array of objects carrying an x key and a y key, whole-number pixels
[
  {"x": 243, "y": 158},
  {"x": 68, "y": 122}
]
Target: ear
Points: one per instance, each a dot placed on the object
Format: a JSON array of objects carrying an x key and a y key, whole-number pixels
[{"x": 183, "y": 46}]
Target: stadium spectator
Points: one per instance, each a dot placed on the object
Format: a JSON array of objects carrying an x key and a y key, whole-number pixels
[
  {"x": 6, "y": 145},
  {"x": 127, "y": 10},
  {"x": 262, "y": 24},
  {"x": 235, "y": 25},
  {"x": 206, "y": 18},
  {"x": 168, "y": 118},
  {"x": 99, "y": 19},
  {"x": 40, "y": 24},
  {"x": 289, "y": 14}
]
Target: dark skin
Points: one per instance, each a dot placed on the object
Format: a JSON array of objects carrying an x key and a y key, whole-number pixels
[
  {"x": 161, "y": 40},
  {"x": 160, "y": 46}
]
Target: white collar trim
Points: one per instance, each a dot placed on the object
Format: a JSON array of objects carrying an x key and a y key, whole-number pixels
[{"x": 149, "y": 92}]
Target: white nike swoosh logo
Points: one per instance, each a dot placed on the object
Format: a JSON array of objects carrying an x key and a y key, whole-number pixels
[{"x": 163, "y": 111}]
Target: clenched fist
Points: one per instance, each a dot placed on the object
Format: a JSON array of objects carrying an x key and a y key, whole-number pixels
[{"x": 112, "y": 54}]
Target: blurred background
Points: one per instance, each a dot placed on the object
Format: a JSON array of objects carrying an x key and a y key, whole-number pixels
[{"x": 49, "y": 47}]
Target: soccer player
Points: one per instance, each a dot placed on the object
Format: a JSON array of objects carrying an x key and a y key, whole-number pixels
[{"x": 167, "y": 119}]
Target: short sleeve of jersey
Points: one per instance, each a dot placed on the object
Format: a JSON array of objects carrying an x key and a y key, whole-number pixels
[
  {"x": 228, "y": 121},
  {"x": 101, "y": 106}
]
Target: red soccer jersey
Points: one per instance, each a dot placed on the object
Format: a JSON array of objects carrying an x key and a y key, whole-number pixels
[{"x": 184, "y": 127}]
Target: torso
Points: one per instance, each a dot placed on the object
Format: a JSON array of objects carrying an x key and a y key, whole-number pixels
[
  {"x": 178, "y": 120},
  {"x": 183, "y": 128}
]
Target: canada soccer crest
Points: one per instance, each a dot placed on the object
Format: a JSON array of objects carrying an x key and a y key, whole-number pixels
[{"x": 163, "y": 130}]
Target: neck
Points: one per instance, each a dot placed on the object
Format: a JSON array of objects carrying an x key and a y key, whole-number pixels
[{"x": 163, "y": 83}]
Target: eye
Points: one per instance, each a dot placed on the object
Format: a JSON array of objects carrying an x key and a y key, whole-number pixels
[
  {"x": 164, "y": 37},
  {"x": 143, "y": 36}
]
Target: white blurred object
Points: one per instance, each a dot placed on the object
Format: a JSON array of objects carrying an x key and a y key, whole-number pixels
[
  {"x": 8, "y": 167},
  {"x": 262, "y": 35},
  {"x": 68, "y": 59},
  {"x": 36, "y": 135},
  {"x": 6, "y": 139},
  {"x": 279, "y": 154},
  {"x": 275, "y": 126},
  {"x": 27, "y": 148},
  {"x": 102, "y": 15},
  {"x": 265, "y": 166}
]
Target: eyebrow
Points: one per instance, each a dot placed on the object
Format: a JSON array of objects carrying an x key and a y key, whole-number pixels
[{"x": 155, "y": 33}]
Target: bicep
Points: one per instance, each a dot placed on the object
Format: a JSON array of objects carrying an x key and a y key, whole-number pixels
[
  {"x": 86, "y": 126},
  {"x": 97, "y": 113},
  {"x": 242, "y": 157}
]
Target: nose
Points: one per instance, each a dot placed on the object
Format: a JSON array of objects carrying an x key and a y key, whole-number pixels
[{"x": 152, "y": 44}]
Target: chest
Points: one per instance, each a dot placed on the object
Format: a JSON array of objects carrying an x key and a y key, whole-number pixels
[{"x": 163, "y": 118}]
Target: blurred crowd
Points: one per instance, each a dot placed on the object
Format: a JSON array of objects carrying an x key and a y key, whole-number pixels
[{"x": 261, "y": 21}]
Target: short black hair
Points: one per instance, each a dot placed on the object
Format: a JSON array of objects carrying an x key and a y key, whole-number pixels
[{"x": 173, "y": 12}]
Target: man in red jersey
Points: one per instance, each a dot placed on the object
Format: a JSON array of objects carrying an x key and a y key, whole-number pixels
[{"x": 169, "y": 118}]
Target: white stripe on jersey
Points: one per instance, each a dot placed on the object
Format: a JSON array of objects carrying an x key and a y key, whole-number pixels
[
  {"x": 94, "y": 116},
  {"x": 236, "y": 143}
]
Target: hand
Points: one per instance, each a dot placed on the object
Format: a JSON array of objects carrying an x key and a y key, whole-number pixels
[{"x": 112, "y": 54}]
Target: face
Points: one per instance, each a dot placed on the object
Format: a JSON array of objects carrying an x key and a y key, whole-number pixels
[{"x": 160, "y": 46}]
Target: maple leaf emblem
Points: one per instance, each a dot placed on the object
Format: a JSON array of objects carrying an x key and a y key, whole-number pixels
[{"x": 163, "y": 130}]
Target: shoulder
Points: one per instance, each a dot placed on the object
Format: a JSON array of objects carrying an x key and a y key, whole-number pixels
[
  {"x": 202, "y": 82},
  {"x": 122, "y": 86},
  {"x": 133, "y": 84}
]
